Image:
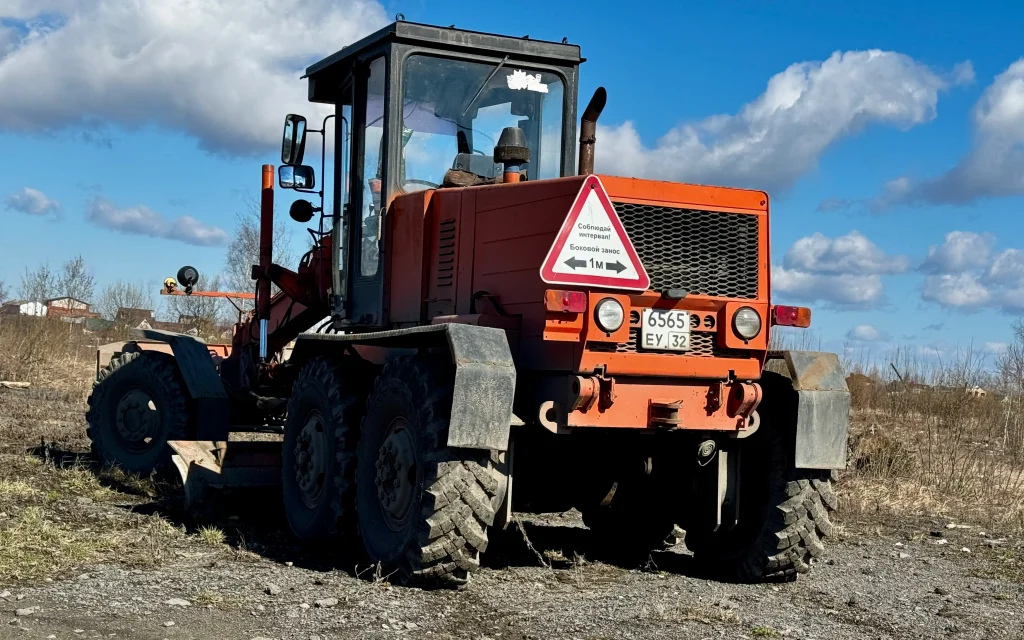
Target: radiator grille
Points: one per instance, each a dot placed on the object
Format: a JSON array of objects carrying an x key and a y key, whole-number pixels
[
  {"x": 446, "y": 252},
  {"x": 708, "y": 253},
  {"x": 702, "y": 345}
]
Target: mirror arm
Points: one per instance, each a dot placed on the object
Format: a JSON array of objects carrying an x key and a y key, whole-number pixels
[{"x": 323, "y": 159}]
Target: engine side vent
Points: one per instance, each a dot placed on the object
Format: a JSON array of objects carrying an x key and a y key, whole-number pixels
[{"x": 446, "y": 253}]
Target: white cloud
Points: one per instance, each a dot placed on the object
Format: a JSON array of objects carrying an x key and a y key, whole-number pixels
[
  {"x": 962, "y": 251},
  {"x": 143, "y": 221},
  {"x": 32, "y": 201},
  {"x": 964, "y": 274},
  {"x": 841, "y": 290},
  {"x": 996, "y": 348},
  {"x": 961, "y": 290},
  {"x": 849, "y": 254},
  {"x": 779, "y": 136},
  {"x": 866, "y": 333},
  {"x": 845, "y": 271},
  {"x": 225, "y": 72},
  {"x": 994, "y": 165}
]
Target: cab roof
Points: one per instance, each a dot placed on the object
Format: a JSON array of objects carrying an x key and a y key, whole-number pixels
[{"x": 458, "y": 40}]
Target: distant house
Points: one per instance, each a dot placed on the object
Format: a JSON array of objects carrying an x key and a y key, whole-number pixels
[
  {"x": 976, "y": 392},
  {"x": 134, "y": 318},
  {"x": 23, "y": 308},
  {"x": 69, "y": 309}
]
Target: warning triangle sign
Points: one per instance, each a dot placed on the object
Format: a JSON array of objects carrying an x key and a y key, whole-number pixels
[{"x": 592, "y": 247}]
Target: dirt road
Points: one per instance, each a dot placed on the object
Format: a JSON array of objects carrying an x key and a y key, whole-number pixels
[{"x": 87, "y": 554}]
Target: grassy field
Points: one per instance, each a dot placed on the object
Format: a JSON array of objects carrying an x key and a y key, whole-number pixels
[{"x": 920, "y": 448}]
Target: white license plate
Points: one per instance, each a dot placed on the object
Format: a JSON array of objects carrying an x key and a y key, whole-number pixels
[{"x": 665, "y": 329}]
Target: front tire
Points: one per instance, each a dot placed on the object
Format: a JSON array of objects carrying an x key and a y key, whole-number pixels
[
  {"x": 318, "y": 456},
  {"x": 785, "y": 512},
  {"x": 138, "y": 403},
  {"x": 424, "y": 507}
]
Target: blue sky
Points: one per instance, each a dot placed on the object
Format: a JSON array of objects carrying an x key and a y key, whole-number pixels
[{"x": 133, "y": 135}]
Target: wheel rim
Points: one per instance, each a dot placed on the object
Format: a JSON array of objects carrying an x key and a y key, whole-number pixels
[
  {"x": 396, "y": 476},
  {"x": 138, "y": 420},
  {"x": 311, "y": 460}
]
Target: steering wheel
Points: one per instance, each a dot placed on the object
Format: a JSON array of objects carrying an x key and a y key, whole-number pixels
[{"x": 425, "y": 183}]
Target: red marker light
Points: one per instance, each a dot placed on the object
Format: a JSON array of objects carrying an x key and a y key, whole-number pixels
[
  {"x": 791, "y": 316},
  {"x": 565, "y": 301}
]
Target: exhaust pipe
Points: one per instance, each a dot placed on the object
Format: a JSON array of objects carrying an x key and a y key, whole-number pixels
[{"x": 588, "y": 131}]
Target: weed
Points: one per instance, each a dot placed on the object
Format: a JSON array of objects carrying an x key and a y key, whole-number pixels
[
  {"x": 211, "y": 535},
  {"x": 764, "y": 632}
]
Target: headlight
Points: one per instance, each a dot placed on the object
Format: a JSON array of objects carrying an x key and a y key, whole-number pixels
[
  {"x": 609, "y": 315},
  {"x": 746, "y": 323}
]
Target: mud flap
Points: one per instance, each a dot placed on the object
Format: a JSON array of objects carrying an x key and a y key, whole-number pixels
[
  {"x": 485, "y": 375},
  {"x": 205, "y": 465},
  {"x": 822, "y": 406},
  {"x": 213, "y": 408}
]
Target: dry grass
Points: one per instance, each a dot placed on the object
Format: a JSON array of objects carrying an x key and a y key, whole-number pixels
[
  {"x": 53, "y": 520},
  {"x": 46, "y": 353},
  {"x": 922, "y": 445}
]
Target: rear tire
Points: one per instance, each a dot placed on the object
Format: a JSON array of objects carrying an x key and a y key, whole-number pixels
[
  {"x": 785, "y": 512},
  {"x": 138, "y": 403},
  {"x": 424, "y": 507},
  {"x": 318, "y": 456}
]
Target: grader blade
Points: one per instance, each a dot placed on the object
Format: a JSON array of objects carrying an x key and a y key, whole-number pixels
[{"x": 205, "y": 465}]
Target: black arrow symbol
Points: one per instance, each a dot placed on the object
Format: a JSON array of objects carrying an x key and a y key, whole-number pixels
[
  {"x": 616, "y": 266},
  {"x": 572, "y": 263}
]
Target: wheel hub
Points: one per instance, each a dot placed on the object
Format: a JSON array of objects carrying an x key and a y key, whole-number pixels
[
  {"x": 311, "y": 460},
  {"x": 138, "y": 420},
  {"x": 396, "y": 474}
]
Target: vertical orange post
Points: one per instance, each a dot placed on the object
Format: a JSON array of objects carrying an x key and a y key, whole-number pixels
[{"x": 266, "y": 255}]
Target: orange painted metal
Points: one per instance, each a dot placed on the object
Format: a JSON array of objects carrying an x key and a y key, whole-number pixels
[
  {"x": 492, "y": 240},
  {"x": 234, "y": 295},
  {"x": 641, "y": 403}
]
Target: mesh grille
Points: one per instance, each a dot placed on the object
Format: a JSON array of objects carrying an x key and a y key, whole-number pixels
[
  {"x": 702, "y": 345},
  {"x": 707, "y": 253}
]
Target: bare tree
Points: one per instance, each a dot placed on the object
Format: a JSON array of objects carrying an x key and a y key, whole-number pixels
[
  {"x": 37, "y": 285},
  {"x": 244, "y": 250},
  {"x": 123, "y": 295},
  {"x": 3, "y": 292},
  {"x": 75, "y": 281},
  {"x": 201, "y": 313}
]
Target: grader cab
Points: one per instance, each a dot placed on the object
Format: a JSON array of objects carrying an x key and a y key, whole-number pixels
[{"x": 497, "y": 311}]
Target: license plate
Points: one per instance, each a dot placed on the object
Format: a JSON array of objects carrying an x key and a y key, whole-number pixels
[{"x": 665, "y": 329}]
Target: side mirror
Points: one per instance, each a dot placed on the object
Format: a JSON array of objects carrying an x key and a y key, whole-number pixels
[
  {"x": 293, "y": 145},
  {"x": 292, "y": 177}
]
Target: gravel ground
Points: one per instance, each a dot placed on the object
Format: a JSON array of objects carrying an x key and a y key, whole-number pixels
[
  {"x": 142, "y": 569},
  {"x": 893, "y": 585}
]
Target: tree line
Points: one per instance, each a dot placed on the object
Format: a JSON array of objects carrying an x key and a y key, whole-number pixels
[{"x": 75, "y": 279}]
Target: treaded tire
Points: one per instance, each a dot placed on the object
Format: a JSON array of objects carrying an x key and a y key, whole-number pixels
[
  {"x": 335, "y": 394},
  {"x": 788, "y": 511},
  {"x": 454, "y": 493},
  {"x": 156, "y": 374}
]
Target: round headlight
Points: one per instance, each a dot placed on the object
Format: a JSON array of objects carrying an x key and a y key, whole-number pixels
[
  {"x": 746, "y": 323},
  {"x": 609, "y": 315}
]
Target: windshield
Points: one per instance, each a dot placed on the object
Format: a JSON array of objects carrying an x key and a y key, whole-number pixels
[{"x": 454, "y": 111}]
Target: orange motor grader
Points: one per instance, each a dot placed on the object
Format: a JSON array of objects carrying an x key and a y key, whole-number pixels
[{"x": 496, "y": 311}]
